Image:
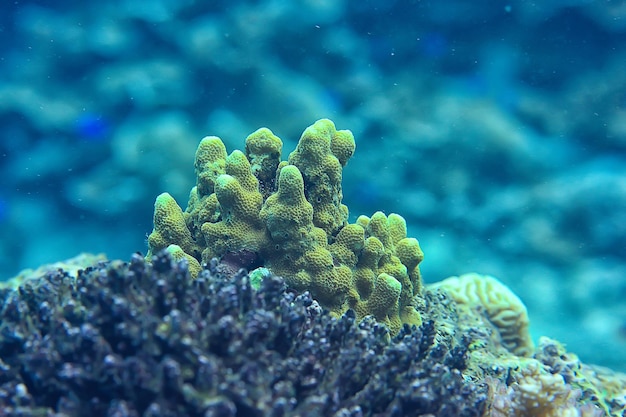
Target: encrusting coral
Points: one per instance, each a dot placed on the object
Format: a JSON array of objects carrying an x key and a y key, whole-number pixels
[
  {"x": 554, "y": 383},
  {"x": 255, "y": 210}
]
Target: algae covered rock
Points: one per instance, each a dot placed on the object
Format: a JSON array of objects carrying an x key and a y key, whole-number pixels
[
  {"x": 288, "y": 216},
  {"x": 139, "y": 339}
]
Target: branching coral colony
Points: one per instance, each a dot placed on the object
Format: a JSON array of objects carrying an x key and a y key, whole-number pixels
[{"x": 252, "y": 209}]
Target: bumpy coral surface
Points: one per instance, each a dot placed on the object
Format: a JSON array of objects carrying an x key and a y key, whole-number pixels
[
  {"x": 143, "y": 339},
  {"x": 255, "y": 210}
]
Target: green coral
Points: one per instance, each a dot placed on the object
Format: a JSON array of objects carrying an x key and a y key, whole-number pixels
[
  {"x": 290, "y": 216},
  {"x": 263, "y": 150},
  {"x": 239, "y": 226},
  {"x": 169, "y": 227},
  {"x": 177, "y": 253},
  {"x": 320, "y": 155}
]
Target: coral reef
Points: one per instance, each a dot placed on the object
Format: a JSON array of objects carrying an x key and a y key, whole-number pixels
[
  {"x": 546, "y": 381},
  {"x": 143, "y": 339},
  {"x": 253, "y": 209},
  {"x": 140, "y": 338},
  {"x": 505, "y": 126},
  {"x": 368, "y": 270}
]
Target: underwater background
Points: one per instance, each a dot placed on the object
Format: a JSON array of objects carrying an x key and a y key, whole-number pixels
[{"x": 497, "y": 129}]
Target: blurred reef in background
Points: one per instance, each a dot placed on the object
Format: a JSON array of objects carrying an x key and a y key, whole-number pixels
[{"x": 497, "y": 132}]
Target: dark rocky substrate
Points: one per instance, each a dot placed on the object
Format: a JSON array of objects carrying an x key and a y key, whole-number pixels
[{"x": 138, "y": 339}]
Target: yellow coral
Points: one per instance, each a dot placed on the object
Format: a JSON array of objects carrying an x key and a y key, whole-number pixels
[
  {"x": 295, "y": 223},
  {"x": 192, "y": 263},
  {"x": 389, "y": 233},
  {"x": 322, "y": 170},
  {"x": 299, "y": 250},
  {"x": 263, "y": 149},
  {"x": 342, "y": 145},
  {"x": 383, "y": 302},
  {"x": 169, "y": 227},
  {"x": 287, "y": 214},
  {"x": 201, "y": 210},
  {"x": 348, "y": 244},
  {"x": 240, "y": 202},
  {"x": 367, "y": 267},
  {"x": 209, "y": 163},
  {"x": 410, "y": 254}
]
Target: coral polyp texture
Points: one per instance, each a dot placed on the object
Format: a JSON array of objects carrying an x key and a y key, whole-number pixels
[{"x": 252, "y": 209}]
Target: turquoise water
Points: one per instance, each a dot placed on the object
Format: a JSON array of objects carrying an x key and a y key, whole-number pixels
[{"x": 497, "y": 129}]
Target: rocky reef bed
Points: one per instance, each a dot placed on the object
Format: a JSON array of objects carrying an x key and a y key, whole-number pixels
[{"x": 140, "y": 339}]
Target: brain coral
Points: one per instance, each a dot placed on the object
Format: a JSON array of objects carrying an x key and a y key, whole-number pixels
[
  {"x": 486, "y": 295},
  {"x": 255, "y": 210}
]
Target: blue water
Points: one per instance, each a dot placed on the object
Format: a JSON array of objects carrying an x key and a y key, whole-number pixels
[{"x": 497, "y": 129}]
